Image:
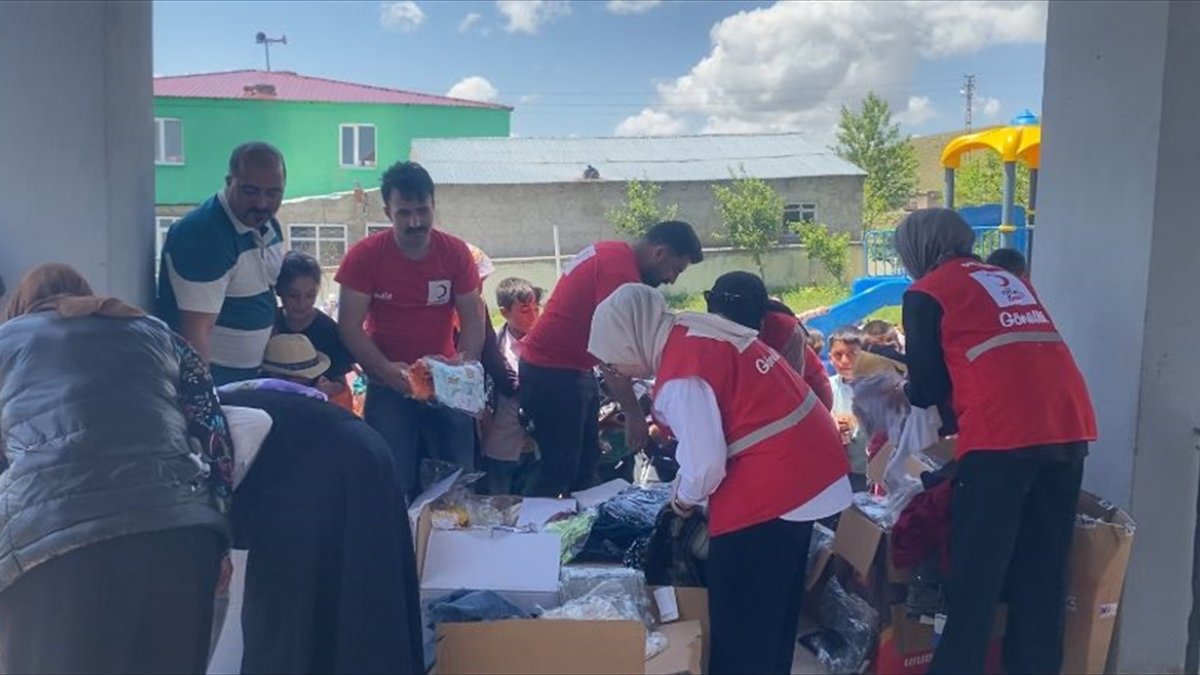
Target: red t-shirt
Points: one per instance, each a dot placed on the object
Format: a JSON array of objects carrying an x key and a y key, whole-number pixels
[
  {"x": 560, "y": 337},
  {"x": 411, "y": 314}
]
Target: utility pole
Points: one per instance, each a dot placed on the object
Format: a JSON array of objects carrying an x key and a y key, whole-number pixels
[
  {"x": 968, "y": 92},
  {"x": 262, "y": 39}
]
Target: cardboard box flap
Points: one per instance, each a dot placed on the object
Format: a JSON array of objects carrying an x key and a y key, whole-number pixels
[
  {"x": 541, "y": 647},
  {"x": 492, "y": 560},
  {"x": 857, "y": 540},
  {"x": 684, "y": 652}
]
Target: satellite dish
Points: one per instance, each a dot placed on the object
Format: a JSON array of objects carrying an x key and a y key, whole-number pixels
[{"x": 260, "y": 37}]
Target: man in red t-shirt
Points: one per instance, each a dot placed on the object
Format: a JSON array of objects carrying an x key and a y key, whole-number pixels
[
  {"x": 400, "y": 291},
  {"x": 558, "y": 391}
]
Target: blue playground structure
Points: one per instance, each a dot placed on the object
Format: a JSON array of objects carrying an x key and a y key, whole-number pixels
[{"x": 995, "y": 225}]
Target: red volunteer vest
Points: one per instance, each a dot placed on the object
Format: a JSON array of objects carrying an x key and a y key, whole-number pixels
[
  {"x": 1015, "y": 383},
  {"x": 784, "y": 448}
]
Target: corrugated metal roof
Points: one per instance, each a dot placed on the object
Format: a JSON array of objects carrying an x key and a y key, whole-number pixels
[
  {"x": 490, "y": 161},
  {"x": 292, "y": 87}
]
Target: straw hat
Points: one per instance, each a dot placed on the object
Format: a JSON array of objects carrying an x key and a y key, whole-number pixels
[{"x": 293, "y": 355}]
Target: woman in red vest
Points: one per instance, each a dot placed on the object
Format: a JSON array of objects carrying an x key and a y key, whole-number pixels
[
  {"x": 978, "y": 335},
  {"x": 742, "y": 298},
  {"x": 754, "y": 444}
]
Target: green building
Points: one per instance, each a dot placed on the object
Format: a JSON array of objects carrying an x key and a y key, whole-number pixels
[{"x": 336, "y": 136}]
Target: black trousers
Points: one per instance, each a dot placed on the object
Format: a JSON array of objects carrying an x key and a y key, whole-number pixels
[
  {"x": 1013, "y": 518},
  {"x": 141, "y": 603},
  {"x": 755, "y": 592},
  {"x": 564, "y": 406}
]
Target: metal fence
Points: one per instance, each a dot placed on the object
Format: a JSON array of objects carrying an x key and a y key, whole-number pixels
[{"x": 881, "y": 260}]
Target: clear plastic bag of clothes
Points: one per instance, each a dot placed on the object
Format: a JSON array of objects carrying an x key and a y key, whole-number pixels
[
  {"x": 851, "y": 628},
  {"x": 611, "y": 600},
  {"x": 623, "y": 521},
  {"x": 579, "y": 581}
]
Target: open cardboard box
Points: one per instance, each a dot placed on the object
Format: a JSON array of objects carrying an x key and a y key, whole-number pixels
[
  {"x": 1096, "y": 568},
  {"x": 541, "y": 646},
  {"x": 524, "y": 568}
]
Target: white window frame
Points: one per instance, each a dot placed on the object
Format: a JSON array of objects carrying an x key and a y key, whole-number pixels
[
  {"x": 373, "y": 228},
  {"x": 318, "y": 239},
  {"x": 358, "y": 163},
  {"x": 802, "y": 208},
  {"x": 160, "y": 142},
  {"x": 161, "y": 225}
]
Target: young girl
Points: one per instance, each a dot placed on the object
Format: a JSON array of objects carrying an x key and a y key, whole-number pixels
[{"x": 298, "y": 287}]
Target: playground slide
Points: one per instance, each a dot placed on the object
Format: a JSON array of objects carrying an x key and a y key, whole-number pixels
[{"x": 870, "y": 295}]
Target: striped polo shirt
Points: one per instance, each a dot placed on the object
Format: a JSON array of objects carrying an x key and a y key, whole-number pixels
[{"x": 214, "y": 264}]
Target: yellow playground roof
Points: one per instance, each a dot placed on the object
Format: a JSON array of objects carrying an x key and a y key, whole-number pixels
[{"x": 1013, "y": 144}]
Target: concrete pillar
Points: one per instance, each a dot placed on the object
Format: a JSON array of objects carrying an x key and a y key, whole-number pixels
[
  {"x": 1119, "y": 233},
  {"x": 76, "y": 132}
]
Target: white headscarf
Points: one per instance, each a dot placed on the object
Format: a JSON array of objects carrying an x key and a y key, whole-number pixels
[{"x": 631, "y": 327}]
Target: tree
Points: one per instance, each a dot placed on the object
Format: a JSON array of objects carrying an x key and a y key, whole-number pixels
[
  {"x": 870, "y": 140},
  {"x": 822, "y": 245},
  {"x": 980, "y": 180},
  {"x": 640, "y": 211},
  {"x": 752, "y": 212}
]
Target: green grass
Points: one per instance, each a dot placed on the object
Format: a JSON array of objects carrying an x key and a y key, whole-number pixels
[{"x": 799, "y": 299}]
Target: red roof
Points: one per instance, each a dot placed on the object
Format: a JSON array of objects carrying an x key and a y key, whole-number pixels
[{"x": 292, "y": 87}]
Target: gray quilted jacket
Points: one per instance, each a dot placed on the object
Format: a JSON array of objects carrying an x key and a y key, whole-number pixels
[{"x": 93, "y": 437}]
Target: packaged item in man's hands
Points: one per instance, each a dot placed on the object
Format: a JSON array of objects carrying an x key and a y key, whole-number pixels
[{"x": 455, "y": 385}]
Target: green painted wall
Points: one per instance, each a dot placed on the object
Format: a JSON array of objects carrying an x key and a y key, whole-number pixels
[{"x": 308, "y": 135}]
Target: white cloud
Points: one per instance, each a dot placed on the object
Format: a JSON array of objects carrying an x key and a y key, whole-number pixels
[
  {"x": 474, "y": 88},
  {"x": 404, "y": 16},
  {"x": 527, "y": 16},
  {"x": 631, "y": 6},
  {"x": 791, "y": 66},
  {"x": 468, "y": 21},
  {"x": 530, "y": 98},
  {"x": 918, "y": 111},
  {"x": 988, "y": 107},
  {"x": 651, "y": 123}
]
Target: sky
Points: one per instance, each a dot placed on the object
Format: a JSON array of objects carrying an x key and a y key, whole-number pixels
[{"x": 643, "y": 67}]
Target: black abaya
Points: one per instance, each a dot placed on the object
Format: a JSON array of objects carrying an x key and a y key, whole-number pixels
[{"x": 331, "y": 580}]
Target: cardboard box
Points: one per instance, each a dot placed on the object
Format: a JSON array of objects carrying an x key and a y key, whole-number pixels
[
  {"x": 521, "y": 567},
  {"x": 525, "y": 569},
  {"x": 542, "y": 646},
  {"x": 1096, "y": 568},
  {"x": 864, "y": 544},
  {"x": 889, "y": 660}
]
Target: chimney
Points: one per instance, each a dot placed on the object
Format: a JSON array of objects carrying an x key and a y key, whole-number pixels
[{"x": 259, "y": 90}]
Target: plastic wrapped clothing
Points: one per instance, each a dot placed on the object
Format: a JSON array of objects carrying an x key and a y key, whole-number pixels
[
  {"x": 472, "y": 606},
  {"x": 573, "y": 532},
  {"x": 622, "y": 521},
  {"x": 579, "y": 581},
  {"x": 331, "y": 576},
  {"x": 674, "y": 554},
  {"x": 613, "y": 599},
  {"x": 851, "y": 627}
]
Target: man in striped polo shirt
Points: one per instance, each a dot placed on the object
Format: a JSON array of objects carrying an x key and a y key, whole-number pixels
[{"x": 220, "y": 263}]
